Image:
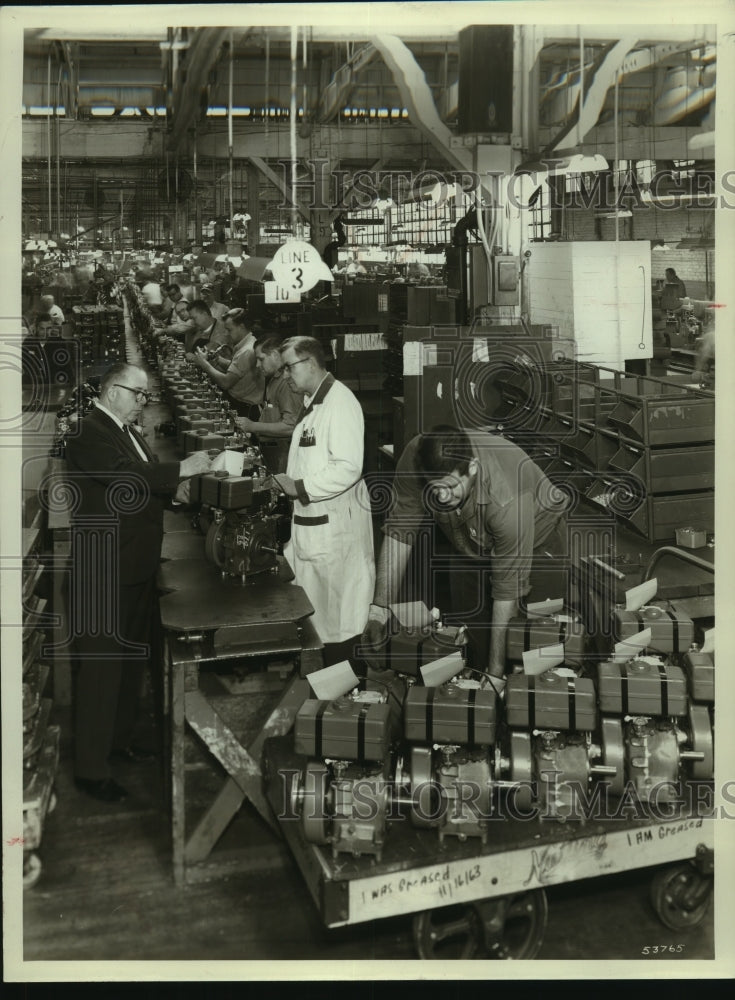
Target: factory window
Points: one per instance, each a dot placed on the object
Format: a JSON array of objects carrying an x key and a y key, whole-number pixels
[
  {"x": 539, "y": 203},
  {"x": 683, "y": 170},
  {"x": 645, "y": 171},
  {"x": 428, "y": 220},
  {"x": 621, "y": 173}
]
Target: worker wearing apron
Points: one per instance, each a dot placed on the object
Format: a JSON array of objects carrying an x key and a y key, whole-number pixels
[{"x": 331, "y": 547}]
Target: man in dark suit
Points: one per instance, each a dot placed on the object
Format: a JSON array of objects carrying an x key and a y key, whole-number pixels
[{"x": 119, "y": 491}]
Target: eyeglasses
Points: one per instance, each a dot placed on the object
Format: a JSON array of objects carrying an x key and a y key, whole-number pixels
[
  {"x": 141, "y": 396},
  {"x": 287, "y": 368}
]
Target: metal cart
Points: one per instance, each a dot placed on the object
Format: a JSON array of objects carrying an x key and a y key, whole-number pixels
[{"x": 473, "y": 900}]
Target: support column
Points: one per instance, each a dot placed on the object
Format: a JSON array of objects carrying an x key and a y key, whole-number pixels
[{"x": 253, "y": 175}]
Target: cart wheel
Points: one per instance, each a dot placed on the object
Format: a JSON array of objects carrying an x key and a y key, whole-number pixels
[
  {"x": 426, "y": 801},
  {"x": 314, "y": 817},
  {"x": 449, "y": 932},
  {"x": 31, "y": 869},
  {"x": 515, "y": 930},
  {"x": 701, "y": 730},
  {"x": 680, "y": 896},
  {"x": 510, "y": 928},
  {"x": 521, "y": 768},
  {"x": 213, "y": 547},
  {"x": 613, "y": 754}
]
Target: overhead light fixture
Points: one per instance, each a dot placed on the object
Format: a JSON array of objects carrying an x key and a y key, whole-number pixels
[
  {"x": 555, "y": 166},
  {"x": 696, "y": 243},
  {"x": 622, "y": 213}
]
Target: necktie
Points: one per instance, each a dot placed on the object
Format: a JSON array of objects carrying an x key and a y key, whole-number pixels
[{"x": 135, "y": 442}]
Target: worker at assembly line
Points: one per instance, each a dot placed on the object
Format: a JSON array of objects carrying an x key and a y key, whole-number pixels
[
  {"x": 494, "y": 504},
  {"x": 280, "y": 408},
  {"x": 331, "y": 546},
  {"x": 242, "y": 380},
  {"x": 180, "y": 322}
]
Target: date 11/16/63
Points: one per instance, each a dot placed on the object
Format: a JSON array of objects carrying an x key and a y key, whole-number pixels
[{"x": 662, "y": 949}]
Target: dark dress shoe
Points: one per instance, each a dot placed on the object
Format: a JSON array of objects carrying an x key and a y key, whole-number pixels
[
  {"x": 132, "y": 755},
  {"x": 103, "y": 789}
]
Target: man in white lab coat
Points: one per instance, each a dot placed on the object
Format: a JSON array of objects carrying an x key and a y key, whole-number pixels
[{"x": 331, "y": 547}]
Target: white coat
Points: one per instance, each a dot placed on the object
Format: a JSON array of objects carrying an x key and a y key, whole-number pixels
[{"x": 331, "y": 547}]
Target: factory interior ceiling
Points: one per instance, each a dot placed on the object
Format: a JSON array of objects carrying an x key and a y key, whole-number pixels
[{"x": 157, "y": 119}]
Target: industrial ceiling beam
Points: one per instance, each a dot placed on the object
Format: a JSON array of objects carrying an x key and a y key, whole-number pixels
[
  {"x": 416, "y": 95},
  {"x": 640, "y": 142},
  {"x": 342, "y": 83},
  {"x": 191, "y": 80},
  {"x": 79, "y": 33},
  {"x": 103, "y": 139},
  {"x": 634, "y": 61},
  {"x": 374, "y": 168},
  {"x": 277, "y": 182},
  {"x": 648, "y": 34},
  {"x": 603, "y": 73}
]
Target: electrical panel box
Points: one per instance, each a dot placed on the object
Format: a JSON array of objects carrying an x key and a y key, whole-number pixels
[{"x": 506, "y": 280}]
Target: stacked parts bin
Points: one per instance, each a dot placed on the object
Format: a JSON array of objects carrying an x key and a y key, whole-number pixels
[{"x": 641, "y": 447}]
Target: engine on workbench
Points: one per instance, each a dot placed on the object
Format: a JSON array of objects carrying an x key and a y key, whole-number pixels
[{"x": 244, "y": 518}]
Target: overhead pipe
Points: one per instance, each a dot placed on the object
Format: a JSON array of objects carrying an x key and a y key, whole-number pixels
[
  {"x": 615, "y": 141},
  {"x": 292, "y": 130},
  {"x": 48, "y": 139},
  {"x": 229, "y": 130},
  {"x": 581, "y": 87},
  {"x": 267, "y": 79},
  {"x": 57, "y": 129}
]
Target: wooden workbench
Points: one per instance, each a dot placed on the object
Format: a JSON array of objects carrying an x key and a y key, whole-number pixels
[{"x": 210, "y": 622}]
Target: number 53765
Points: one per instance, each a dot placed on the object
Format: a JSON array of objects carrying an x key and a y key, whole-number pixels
[{"x": 662, "y": 949}]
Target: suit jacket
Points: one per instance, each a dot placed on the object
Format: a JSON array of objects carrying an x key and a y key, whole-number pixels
[{"x": 108, "y": 478}]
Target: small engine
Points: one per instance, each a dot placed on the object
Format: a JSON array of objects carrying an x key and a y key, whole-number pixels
[
  {"x": 243, "y": 518},
  {"x": 551, "y": 755},
  {"x": 658, "y": 729},
  {"x": 447, "y": 772},
  {"x": 412, "y": 647},
  {"x": 344, "y": 796}
]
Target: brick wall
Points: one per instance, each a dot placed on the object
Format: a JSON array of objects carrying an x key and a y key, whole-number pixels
[{"x": 694, "y": 267}]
